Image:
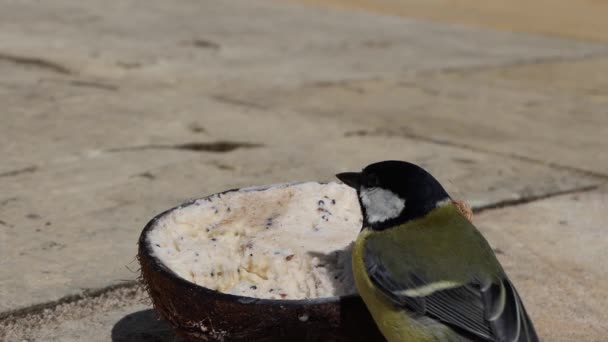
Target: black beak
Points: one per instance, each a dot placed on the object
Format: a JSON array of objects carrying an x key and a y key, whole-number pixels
[{"x": 352, "y": 179}]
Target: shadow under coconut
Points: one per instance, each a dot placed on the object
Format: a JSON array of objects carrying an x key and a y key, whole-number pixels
[{"x": 143, "y": 326}]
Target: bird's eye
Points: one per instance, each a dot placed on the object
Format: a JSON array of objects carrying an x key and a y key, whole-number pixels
[{"x": 372, "y": 181}]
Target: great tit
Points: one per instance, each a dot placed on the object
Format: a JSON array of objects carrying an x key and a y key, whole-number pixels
[{"x": 422, "y": 268}]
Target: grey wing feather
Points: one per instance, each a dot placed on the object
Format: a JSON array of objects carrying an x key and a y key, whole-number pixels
[
  {"x": 477, "y": 311},
  {"x": 511, "y": 321}
]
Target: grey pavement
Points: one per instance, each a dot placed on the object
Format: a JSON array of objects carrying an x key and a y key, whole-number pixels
[{"x": 114, "y": 112}]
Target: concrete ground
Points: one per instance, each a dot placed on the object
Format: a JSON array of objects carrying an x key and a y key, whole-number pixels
[{"x": 112, "y": 112}]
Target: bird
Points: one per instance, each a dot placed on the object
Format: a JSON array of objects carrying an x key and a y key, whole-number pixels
[{"x": 422, "y": 268}]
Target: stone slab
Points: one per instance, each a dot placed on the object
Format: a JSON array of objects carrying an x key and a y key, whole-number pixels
[
  {"x": 115, "y": 112},
  {"x": 553, "y": 112},
  {"x": 554, "y": 251},
  {"x": 72, "y": 224}
]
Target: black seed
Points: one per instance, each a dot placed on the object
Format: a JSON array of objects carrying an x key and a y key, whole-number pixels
[
  {"x": 212, "y": 274},
  {"x": 321, "y": 202},
  {"x": 333, "y": 201},
  {"x": 157, "y": 245},
  {"x": 253, "y": 287},
  {"x": 213, "y": 239}
]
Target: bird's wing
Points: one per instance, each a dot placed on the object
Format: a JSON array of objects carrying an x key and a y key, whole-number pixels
[{"x": 484, "y": 310}]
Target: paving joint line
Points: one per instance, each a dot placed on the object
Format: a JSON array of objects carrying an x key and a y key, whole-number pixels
[
  {"x": 549, "y": 164},
  {"x": 530, "y": 199},
  {"x": 405, "y": 133},
  {"x": 346, "y": 83},
  {"x": 525, "y": 62}
]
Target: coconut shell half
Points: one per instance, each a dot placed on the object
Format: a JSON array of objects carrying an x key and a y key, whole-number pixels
[{"x": 201, "y": 314}]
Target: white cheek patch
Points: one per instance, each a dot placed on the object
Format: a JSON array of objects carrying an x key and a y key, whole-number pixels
[{"x": 381, "y": 204}]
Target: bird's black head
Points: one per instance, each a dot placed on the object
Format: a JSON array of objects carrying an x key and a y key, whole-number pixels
[{"x": 394, "y": 192}]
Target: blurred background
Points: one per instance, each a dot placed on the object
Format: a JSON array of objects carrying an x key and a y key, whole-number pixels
[{"x": 113, "y": 111}]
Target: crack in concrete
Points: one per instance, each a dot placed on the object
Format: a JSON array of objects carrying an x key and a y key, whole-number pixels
[
  {"x": 534, "y": 198},
  {"x": 12, "y": 173},
  {"x": 36, "y": 62},
  {"x": 8, "y": 200},
  {"x": 406, "y": 133},
  {"x": 523, "y": 62},
  {"x": 352, "y": 84},
  {"x": 205, "y": 44},
  {"x": 349, "y": 85},
  {"x": 238, "y": 102},
  {"x": 83, "y": 83},
  {"x": 222, "y": 146},
  {"x": 92, "y": 84}
]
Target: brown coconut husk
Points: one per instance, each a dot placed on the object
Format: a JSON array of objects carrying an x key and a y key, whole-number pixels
[{"x": 200, "y": 314}]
